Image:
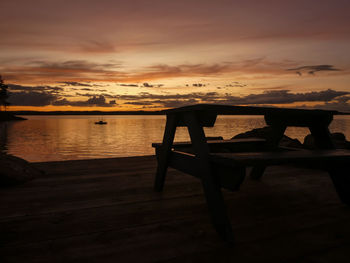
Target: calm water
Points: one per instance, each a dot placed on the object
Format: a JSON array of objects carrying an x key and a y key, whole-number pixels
[{"x": 53, "y": 138}]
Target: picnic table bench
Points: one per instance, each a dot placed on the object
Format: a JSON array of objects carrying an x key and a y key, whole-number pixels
[{"x": 222, "y": 163}]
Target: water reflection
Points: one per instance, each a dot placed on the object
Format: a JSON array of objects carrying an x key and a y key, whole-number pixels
[{"x": 52, "y": 138}]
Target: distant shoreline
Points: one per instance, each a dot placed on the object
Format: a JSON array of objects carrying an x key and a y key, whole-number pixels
[
  {"x": 106, "y": 113},
  {"x": 88, "y": 113}
]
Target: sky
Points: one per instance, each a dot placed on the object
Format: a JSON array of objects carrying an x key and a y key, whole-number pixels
[{"x": 149, "y": 55}]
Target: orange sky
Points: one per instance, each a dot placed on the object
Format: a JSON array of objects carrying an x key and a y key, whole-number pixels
[{"x": 122, "y": 55}]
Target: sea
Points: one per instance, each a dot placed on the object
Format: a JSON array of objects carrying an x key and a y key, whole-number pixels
[{"x": 68, "y": 137}]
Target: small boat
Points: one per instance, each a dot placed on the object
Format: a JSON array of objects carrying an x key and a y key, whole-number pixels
[{"x": 100, "y": 122}]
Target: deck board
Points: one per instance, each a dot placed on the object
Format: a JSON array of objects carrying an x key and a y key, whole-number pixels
[{"x": 106, "y": 211}]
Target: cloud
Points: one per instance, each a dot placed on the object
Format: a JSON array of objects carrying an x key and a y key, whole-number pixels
[
  {"x": 146, "y": 85},
  {"x": 72, "y": 64},
  {"x": 140, "y": 103},
  {"x": 167, "y": 103},
  {"x": 70, "y": 72},
  {"x": 166, "y": 22},
  {"x": 277, "y": 97},
  {"x": 99, "y": 101},
  {"x": 87, "y": 89},
  {"x": 31, "y": 98},
  {"x": 256, "y": 66},
  {"x": 74, "y": 83},
  {"x": 285, "y": 97},
  {"x": 271, "y": 88},
  {"x": 312, "y": 69},
  {"x": 15, "y": 87},
  {"x": 128, "y": 85},
  {"x": 94, "y": 46},
  {"x": 236, "y": 84},
  {"x": 198, "y": 85},
  {"x": 269, "y": 97},
  {"x": 44, "y": 98},
  {"x": 340, "y": 104},
  {"x": 83, "y": 72}
]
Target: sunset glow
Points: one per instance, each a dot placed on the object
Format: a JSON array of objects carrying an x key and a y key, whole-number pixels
[{"x": 150, "y": 55}]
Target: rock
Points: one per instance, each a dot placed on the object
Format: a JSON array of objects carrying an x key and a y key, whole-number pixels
[
  {"x": 257, "y": 133},
  {"x": 15, "y": 171},
  {"x": 309, "y": 142},
  {"x": 338, "y": 136},
  {"x": 8, "y": 116},
  {"x": 264, "y": 134},
  {"x": 216, "y": 138},
  {"x": 290, "y": 142},
  {"x": 338, "y": 139}
]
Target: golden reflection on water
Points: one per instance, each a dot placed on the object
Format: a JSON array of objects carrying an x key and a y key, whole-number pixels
[{"x": 53, "y": 138}]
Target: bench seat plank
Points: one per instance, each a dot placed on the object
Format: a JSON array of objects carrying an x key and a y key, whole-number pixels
[
  {"x": 281, "y": 157},
  {"x": 215, "y": 142},
  {"x": 233, "y": 145},
  {"x": 229, "y": 177}
]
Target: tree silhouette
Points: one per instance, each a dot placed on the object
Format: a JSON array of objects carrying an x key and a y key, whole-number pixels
[{"x": 3, "y": 94}]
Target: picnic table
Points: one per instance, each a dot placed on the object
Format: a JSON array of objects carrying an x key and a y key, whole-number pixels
[{"x": 222, "y": 163}]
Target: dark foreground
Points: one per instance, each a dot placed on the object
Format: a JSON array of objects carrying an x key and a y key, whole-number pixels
[{"x": 106, "y": 211}]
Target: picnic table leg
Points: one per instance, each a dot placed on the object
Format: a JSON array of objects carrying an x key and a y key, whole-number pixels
[
  {"x": 211, "y": 186},
  {"x": 164, "y": 152},
  {"x": 257, "y": 172},
  {"x": 341, "y": 180},
  {"x": 276, "y": 135},
  {"x": 338, "y": 171},
  {"x": 322, "y": 136}
]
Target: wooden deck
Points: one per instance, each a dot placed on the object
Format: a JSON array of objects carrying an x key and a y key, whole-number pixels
[{"x": 106, "y": 211}]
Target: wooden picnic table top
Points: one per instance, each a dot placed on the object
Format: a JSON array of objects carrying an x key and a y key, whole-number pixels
[
  {"x": 246, "y": 110},
  {"x": 207, "y": 114}
]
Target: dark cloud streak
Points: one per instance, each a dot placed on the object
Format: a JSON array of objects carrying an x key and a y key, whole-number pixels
[
  {"x": 99, "y": 101},
  {"x": 15, "y": 87},
  {"x": 268, "y": 97},
  {"x": 32, "y": 98},
  {"x": 74, "y": 83},
  {"x": 271, "y": 97},
  {"x": 312, "y": 69}
]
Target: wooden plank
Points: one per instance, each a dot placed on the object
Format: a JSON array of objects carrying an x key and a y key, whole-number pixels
[
  {"x": 321, "y": 157},
  {"x": 299, "y": 217},
  {"x": 239, "y": 143},
  {"x": 123, "y": 189},
  {"x": 211, "y": 185},
  {"x": 299, "y": 118},
  {"x": 292, "y": 246},
  {"x": 204, "y": 118},
  {"x": 233, "y": 145},
  {"x": 246, "y": 110},
  {"x": 164, "y": 151},
  {"x": 339, "y": 173},
  {"x": 191, "y": 240}
]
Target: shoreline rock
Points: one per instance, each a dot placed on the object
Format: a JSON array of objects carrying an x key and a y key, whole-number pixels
[
  {"x": 15, "y": 171},
  {"x": 7, "y": 116},
  {"x": 264, "y": 134},
  {"x": 338, "y": 139}
]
